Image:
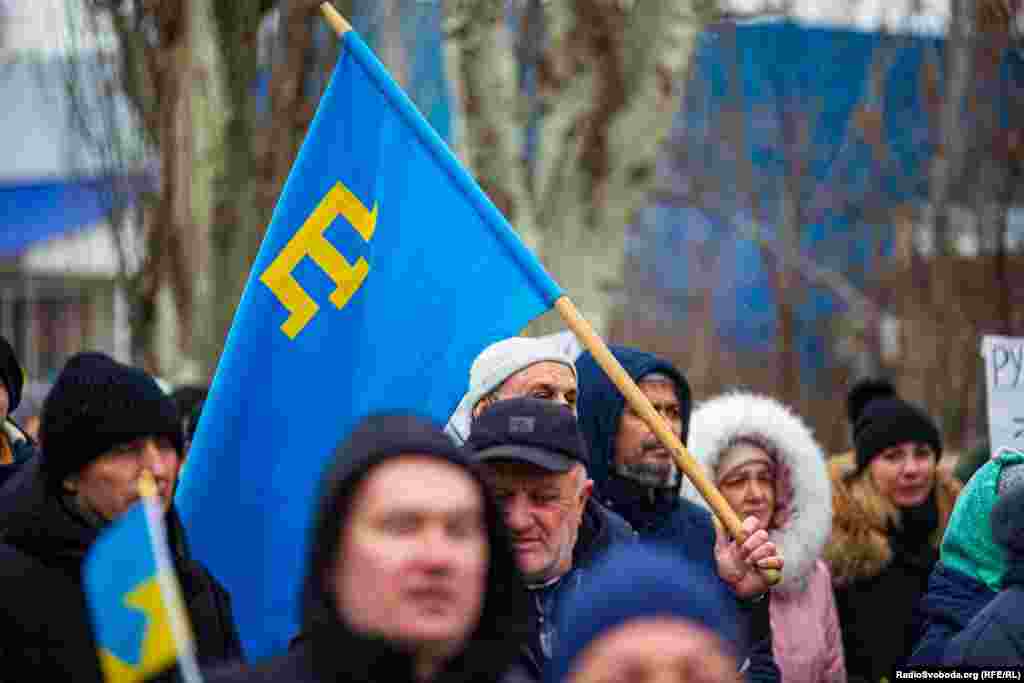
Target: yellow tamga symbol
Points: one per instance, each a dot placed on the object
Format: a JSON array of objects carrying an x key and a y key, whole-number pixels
[{"x": 310, "y": 241}]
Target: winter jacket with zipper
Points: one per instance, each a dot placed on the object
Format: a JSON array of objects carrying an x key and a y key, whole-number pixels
[
  {"x": 43, "y": 612},
  {"x": 806, "y": 639}
]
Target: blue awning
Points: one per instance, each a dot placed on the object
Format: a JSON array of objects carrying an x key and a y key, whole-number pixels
[{"x": 36, "y": 211}]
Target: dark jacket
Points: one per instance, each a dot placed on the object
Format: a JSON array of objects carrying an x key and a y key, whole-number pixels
[
  {"x": 949, "y": 605},
  {"x": 328, "y": 649},
  {"x": 872, "y": 643},
  {"x": 600, "y": 530},
  {"x": 658, "y": 515},
  {"x": 995, "y": 636},
  {"x": 43, "y": 613}
]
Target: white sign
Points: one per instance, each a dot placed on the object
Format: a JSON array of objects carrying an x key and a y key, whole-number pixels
[{"x": 1004, "y": 377}]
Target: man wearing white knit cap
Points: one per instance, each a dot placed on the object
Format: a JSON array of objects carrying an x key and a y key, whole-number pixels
[{"x": 514, "y": 368}]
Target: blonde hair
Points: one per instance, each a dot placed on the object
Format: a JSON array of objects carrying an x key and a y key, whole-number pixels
[{"x": 881, "y": 513}]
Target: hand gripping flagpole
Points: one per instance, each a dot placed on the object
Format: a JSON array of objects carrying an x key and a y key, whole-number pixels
[{"x": 639, "y": 402}]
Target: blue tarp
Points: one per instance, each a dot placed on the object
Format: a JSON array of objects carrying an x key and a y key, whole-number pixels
[
  {"x": 40, "y": 210},
  {"x": 850, "y": 110}
]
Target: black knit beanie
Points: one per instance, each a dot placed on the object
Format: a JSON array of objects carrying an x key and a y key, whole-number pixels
[
  {"x": 10, "y": 374},
  {"x": 97, "y": 404},
  {"x": 881, "y": 419}
]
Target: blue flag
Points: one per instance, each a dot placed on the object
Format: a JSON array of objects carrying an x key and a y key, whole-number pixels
[
  {"x": 384, "y": 272},
  {"x": 134, "y": 599}
]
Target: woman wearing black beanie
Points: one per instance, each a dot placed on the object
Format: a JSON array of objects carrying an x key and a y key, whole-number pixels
[{"x": 890, "y": 506}]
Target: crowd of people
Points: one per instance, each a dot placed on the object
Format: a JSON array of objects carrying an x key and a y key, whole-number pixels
[{"x": 544, "y": 535}]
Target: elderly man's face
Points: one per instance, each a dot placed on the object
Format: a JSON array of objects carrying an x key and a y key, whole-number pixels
[
  {"x": 656, "y": 650},
  {"x": 109, "y": 485},
  {"x": 638, "y": 452},
  {"x": 547, "y": 380},
  {"x": 543, "y": 511},
  {"x": 412, "y": 560}
]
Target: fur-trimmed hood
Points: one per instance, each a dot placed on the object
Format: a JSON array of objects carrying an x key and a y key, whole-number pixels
[
  {"x": 806, "y": 511},
  {"x": 858, "y": 550}
]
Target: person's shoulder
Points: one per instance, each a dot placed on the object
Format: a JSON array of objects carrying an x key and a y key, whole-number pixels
[
  {"x": 16, "y": 566},
  {"x": 991, "y": 635},
  {"x": 695, "y": 514},
  {"x": 619, "y": 530}
]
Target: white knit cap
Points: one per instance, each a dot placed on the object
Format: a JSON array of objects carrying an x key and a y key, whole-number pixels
[{"x": 494, "y": 365}]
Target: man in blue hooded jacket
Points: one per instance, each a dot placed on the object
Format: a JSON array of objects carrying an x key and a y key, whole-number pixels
[{"x": 636, "y": 476}]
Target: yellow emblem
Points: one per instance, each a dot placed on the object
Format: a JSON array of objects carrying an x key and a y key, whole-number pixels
[
  {"x": 158, "y": 649},
  {"x": 310, "y": 241}
]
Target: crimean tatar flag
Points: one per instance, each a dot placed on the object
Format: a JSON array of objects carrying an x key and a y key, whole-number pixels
[{"x": 385, "y": 270}]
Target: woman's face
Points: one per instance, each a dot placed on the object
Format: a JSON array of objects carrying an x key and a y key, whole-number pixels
[
  {"x": 904, "y": 473},
  {"x": 750, "y": 488},
  {"x": 656, "y": 650}
]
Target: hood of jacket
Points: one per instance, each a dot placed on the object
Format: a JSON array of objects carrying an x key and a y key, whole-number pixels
[
  {"x": 968, "y": 546},
  {"x": 600, "y": 408},
  {"x": 504, "y": 620},
  {"x": 857, "y": 549},
  {"x": 803, "y": 515}
]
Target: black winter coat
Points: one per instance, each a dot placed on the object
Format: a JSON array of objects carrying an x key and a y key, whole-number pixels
[
  {"x": 44, "y": 618},
  {"x": 872, "y": 643}
]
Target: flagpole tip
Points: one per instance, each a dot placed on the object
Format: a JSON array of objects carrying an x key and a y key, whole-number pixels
[{"x": 334, "y": 18}]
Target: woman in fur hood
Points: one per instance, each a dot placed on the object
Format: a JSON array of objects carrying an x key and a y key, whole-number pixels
[
  {"x": 891, "y": 504},
  {"x": 767, "y": 464}
]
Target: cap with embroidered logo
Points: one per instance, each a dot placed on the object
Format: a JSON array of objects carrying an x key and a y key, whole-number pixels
[{"x": 542, "y": 433}]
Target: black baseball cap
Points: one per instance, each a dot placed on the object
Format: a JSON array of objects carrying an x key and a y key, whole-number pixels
[{"x": 540, "y": 432}]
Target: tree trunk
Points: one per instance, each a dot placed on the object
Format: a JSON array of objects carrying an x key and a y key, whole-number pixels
[
  {"x": 238, "y": 224},
  {"x": 607, "y": 89},
  {"x": 156, "y": 75}
]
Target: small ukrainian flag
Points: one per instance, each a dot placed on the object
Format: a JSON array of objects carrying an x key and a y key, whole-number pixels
[{"x": 138, "y": 617}]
